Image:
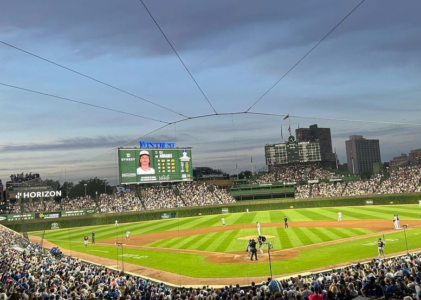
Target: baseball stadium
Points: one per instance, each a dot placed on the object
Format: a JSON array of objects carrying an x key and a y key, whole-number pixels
[{"x": 220, "y": 150}]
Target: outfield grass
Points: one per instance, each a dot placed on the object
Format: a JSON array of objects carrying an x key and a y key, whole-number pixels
[{"x": 195, "y": 265}]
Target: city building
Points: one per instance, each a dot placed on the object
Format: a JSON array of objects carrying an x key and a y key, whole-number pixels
[
  {"x": 361, "y": 154},
  {"x": 323, "y": 136},
  {"x": 399, "y": 161}
]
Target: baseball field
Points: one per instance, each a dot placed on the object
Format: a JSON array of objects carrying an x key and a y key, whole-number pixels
[{"x": 200, "y": 250}]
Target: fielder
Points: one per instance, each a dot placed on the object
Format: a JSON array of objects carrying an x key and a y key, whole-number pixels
[
  {"x": 127, "y": 234},
  {"x": 223, "y": 221},
  {"x": 85, "y": 240},
  {"x": 116, "y": 223},
  {"x": 258, "y": 227},
  {"x": 339, "y": 216}
]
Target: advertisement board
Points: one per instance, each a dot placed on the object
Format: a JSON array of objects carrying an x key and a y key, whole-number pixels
[
  {"x": 154, "y": 165},
  {"x": 48, "y": 215}
]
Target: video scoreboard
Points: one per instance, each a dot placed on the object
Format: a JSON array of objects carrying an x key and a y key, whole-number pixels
[{"x": 146, "y": 165}]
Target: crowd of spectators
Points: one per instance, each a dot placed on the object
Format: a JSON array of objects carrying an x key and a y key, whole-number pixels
[
  {"x": 28, "y": 275},
  {"x": 157, "y": 197},
  {"x": 296, "y": 173},
  {"x": 325, "y": 189},
  {"x": 197, "y": 194},
  {"x": 18, "y": 178},
  {"x": 119, "y": 202},
  {"x": 34, "y": 206},
  {"x": 78, "y": 203},
  {"x": 400, "y": 180},
  {"x": 161, "y": 197}
]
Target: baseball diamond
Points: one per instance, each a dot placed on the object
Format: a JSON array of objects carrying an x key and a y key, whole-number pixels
[{"x": 181, "y": 251}]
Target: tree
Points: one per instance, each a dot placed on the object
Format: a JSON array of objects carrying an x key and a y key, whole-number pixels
[
  {"x": 93, "y": 185},
  {"x": 244, "y": 175}
]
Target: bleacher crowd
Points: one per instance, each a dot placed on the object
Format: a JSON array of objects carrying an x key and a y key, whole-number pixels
[
  {"x": 27, "y": 274},
  {"x": 296, "y": 173},
  {"x": 401, "y": 180}
]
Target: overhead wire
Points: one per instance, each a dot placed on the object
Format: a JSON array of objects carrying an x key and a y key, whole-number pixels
[
  {"x": 179, "y": 57},
  {"x": 111, "y": 149},
  {"x": 81, "y": 102},
  {"x": 90, "y": 77},
  {"x": 302, "y": 58},
  {"x": 337, "y": 119}
]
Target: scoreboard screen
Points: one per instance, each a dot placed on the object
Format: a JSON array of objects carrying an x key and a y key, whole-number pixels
[{"x": 154, "y": 165}]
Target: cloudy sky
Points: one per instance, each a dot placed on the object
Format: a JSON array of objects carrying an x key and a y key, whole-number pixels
[{"x": 366, "y": 70}]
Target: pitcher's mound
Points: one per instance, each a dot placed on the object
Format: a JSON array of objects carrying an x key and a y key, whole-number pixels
[{"x": 246, "y": 238}]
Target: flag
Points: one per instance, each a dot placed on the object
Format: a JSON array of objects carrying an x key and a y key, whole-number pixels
[{"x": 286, "y": 117}]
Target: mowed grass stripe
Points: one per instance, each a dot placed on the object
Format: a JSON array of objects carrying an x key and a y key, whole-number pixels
[
  {"x": 275, "y": 216},
  {"x": 202, "y": 239},
  {"x": 305, "y": 240},
  {"x": 284, "y": 240},
  {"x": 327, "y": 215},
  {"x": 262, "y": 217},
  {"x": 344, "y": 216},
  {"x": 204, "y": 222},
  {"x": 216, "y": 238},
  {"x": 226, "y": 242},
  {"x": 359, "y": 231},
  {"x": 320, "y": 233},
  {"x": 339, "y": 232},
  {"x": 314, "y": 216},
  {"x": 231, "y": 219},
  {"x": 294, "y": 238},
  {"x": 389, "y": 212},
  {"x": 186, "y": 242},
  {"x": 170, "y": 243},
  {"x": 299, "y": 216},
  {"x": 313, "y": 238},
  {"x": 359, "y": 214},
  {"x": 246, "y": 218},
  {"x": 209, "y": 244},
  {"x": 331, "y": 234}
]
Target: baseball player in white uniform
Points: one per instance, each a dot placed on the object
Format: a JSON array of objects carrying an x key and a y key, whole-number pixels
[
  {"x": 258, "y": 227},
  {"x": 339, "y": 216}
]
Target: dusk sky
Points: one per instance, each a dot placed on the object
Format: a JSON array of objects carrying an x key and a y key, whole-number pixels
[{"x": 367, "y": 71}]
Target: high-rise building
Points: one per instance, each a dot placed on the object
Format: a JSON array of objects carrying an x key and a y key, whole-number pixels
[
  {"x": 322, "y": 135},
  {"x": 361, "y": 154}
]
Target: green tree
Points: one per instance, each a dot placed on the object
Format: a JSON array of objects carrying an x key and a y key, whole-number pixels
[{"x": 93, "y": 186}]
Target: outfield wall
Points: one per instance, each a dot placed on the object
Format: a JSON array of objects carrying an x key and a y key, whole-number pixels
[{"x": 262, "y": 205}]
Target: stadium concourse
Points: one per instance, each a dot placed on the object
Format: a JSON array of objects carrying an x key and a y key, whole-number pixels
[{"x": 28, "y": 272}]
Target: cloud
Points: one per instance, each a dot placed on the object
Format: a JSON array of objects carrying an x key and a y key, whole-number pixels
[{"x": 68, "y": 144}]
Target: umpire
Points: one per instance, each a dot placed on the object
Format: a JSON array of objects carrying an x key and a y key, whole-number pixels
[{"x": 251, "y": 248}]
